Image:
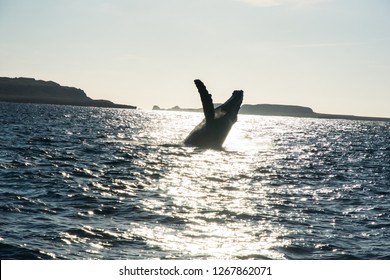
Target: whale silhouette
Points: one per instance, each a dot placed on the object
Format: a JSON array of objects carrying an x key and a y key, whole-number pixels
[{"x": 212, "y": 131}]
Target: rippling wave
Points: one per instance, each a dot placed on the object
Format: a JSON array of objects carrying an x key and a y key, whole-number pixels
[{"x": 80, "y": 183}]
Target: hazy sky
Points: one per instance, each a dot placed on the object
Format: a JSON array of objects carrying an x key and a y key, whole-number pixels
[{"x": 331, "y": 55}]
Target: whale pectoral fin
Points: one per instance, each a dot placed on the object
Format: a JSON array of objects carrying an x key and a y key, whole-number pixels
[{"x": 207, "y": 101}]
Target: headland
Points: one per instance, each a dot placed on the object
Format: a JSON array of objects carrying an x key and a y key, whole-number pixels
[{"x": 29, "y": 90}]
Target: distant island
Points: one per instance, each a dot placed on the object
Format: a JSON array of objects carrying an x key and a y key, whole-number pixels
[
  {"x": 283, "y": 110},
  {"x": 29, "y": 90}
]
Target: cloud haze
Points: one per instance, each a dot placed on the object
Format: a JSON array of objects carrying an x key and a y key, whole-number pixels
[{"x": 330, "y": 55}]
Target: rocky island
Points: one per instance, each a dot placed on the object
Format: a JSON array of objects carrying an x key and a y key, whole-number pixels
[
  {"x": 284, "y": 110},
  {"x": 29, "y": 90}
]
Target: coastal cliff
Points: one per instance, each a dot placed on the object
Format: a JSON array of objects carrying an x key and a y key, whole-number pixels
[{"x": 29, "y": 90}]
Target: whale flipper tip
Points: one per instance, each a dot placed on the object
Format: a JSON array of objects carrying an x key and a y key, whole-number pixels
[{"x": 207, "y": 101}]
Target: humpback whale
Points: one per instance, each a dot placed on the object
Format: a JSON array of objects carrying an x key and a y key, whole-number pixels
[{"x": 212, "y": 131}]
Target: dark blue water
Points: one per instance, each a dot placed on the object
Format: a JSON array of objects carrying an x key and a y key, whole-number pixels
[{"x": 82, "y": 183}]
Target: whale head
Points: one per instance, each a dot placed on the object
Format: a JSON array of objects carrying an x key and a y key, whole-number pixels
[{"x": 230, "y": 108}]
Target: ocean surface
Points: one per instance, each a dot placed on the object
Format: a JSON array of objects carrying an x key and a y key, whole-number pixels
[{"x": 94, "y": 183}]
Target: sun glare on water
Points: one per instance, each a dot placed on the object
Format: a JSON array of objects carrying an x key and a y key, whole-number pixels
[{"x": 213, "y": 205}]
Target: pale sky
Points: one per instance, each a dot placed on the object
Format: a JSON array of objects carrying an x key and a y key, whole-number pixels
[{"x": 330, "y": 55}]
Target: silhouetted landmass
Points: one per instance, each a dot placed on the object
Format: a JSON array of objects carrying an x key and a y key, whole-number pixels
[
  {"x": 284, "y": 110},
  {"x": 277, "y": 110},
  {"x": 299, "y": 111},
  {"x": 29, "y": 90}
]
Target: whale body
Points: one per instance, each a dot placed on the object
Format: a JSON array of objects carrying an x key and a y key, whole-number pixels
[{"x": 213, "y": 130}]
